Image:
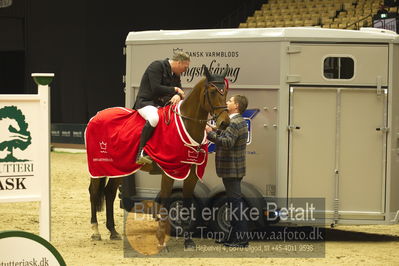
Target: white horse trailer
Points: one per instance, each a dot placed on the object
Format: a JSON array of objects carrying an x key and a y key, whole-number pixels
[{"x": 325, "y": 120}]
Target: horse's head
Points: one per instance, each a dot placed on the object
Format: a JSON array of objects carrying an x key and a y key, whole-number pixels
[{"x": 214, "y": 97}]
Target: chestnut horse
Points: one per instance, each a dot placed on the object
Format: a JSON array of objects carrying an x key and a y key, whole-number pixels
[{"x": 208, "y": 97}]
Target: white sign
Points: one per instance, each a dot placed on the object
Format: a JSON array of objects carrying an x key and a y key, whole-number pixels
[
  {"x": 22, "y": 248},
  {"x": 25, "y": 149}
]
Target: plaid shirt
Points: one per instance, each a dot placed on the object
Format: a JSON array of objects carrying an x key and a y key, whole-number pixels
[{"x": 231, "y": 146}]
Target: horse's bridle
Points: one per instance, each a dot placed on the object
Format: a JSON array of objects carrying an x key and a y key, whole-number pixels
[
  {"x": 214, "y": 116},
  {"x": 220, "y": 90}
]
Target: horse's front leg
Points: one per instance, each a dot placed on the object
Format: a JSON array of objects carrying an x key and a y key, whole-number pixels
[
  {"x": 188, "y": 192},
  {"x": 96, "y": 190},
  {"x": 110, "y": 194},
  {"x": 163, "y": 219}
]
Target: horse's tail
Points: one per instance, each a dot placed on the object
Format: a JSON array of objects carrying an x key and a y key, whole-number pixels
[{"x": 97, "y": 194}]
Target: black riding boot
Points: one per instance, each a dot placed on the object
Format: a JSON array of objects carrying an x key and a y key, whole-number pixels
[{"x": 146, "y": 134}]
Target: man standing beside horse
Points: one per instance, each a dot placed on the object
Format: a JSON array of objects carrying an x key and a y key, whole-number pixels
[
  {"x": 230, "y": 165},
  {"x": 159, "y": 86}
]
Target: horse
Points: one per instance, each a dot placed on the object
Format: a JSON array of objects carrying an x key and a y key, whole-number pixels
[{"x": 208, "y": 97}]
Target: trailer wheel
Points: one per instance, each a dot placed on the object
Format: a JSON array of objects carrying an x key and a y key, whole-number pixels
[
  {"x": 220, "y": 221},
  {"x": 175, "y": 203}
]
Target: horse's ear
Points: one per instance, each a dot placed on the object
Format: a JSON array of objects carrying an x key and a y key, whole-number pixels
[
  {"x": 206, "y": 71},
  {"x": 225, "y": 71}
]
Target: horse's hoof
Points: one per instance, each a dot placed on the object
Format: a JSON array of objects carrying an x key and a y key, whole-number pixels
[
  {"x": 156, "y": 218},
  {"x": 96, "y": 237},
  {"x": 189, "y": 244},
  {"x": 163, "y": 248},
  {"x": 115, "y": 236}
]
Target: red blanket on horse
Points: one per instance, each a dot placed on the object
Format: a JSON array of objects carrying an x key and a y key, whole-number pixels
[{"x": 112, "y": 140}]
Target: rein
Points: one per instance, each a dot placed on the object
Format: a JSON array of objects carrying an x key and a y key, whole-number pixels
[{"x": 192, "y": 119}]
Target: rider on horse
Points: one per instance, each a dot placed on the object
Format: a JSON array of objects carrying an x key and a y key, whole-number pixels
[{"x": 159, "y": 85}]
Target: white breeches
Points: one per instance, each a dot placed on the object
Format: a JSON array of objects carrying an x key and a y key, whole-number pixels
[{"x": 150, "y": 113}]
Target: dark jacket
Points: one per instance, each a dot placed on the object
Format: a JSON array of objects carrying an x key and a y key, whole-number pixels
[
  {"x": 157, "y": 85},
  {"x": 231, "y": 146}
]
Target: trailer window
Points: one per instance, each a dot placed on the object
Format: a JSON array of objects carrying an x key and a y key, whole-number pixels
[{"x": 338, "y": 68}]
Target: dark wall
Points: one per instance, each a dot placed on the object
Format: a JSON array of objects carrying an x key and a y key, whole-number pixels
[
  {"x": 12, "y": 48},
  {"x": 81, "y": 41}
]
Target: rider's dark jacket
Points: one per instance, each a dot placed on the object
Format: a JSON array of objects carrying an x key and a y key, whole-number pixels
[{"x": 157, "y": 85}]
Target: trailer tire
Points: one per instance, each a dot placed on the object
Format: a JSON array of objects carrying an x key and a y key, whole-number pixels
[
  {"x": 176, "y": 199},
  {"x": 220, "y": 223}
]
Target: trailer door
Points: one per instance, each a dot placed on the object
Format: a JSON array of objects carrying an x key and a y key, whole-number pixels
[{"x": 337, "y": 149}]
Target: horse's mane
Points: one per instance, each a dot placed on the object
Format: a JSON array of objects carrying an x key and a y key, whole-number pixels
[{"x": 197, "y": 86}]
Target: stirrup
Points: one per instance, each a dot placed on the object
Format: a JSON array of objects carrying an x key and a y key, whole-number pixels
[{"x": 143, "y": 158}]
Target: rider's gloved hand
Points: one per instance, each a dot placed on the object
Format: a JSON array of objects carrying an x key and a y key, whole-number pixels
[
  {"x": 175, "y": 99},
  {"x": 179, "y": 91}
]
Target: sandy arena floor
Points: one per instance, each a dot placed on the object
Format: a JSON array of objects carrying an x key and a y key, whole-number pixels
[{"x": 70, "y": 212}]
